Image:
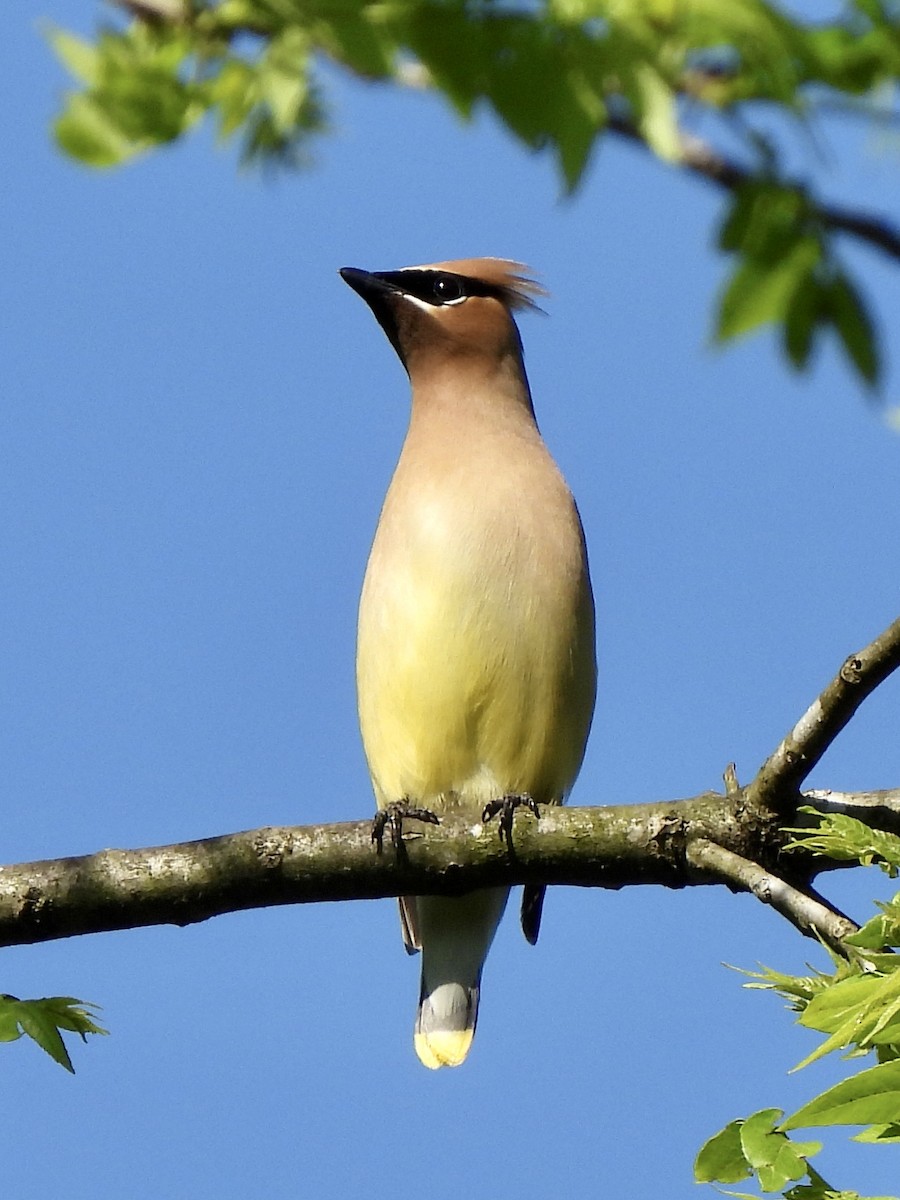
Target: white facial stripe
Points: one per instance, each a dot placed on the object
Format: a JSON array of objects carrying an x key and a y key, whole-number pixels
[
  {"x": 418, "y": 303},
  {"x": 426, "y": 307}
]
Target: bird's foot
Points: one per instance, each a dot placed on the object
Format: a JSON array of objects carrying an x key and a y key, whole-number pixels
[
  {"x": 506, "y": 808},
  {"x": 392, "y": 817}
]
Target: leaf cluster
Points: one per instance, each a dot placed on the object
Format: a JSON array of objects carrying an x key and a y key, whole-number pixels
[
  {"x": 558, "y": 74},
  {"x": 788, "y": 273},
  {"x": 148, "y": 85},
  {"x": 857, "y": 1007},
  {"x": 43, "y": 1020},
  {"x": 848, "y": 840}
]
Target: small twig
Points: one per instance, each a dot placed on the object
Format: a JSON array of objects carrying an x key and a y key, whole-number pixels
[
  {"x": 856, "y": 804},
  {"x": 779, "y": 778},
  {"x": 810, "y": 915},
  {"x": 878, "y": 810}
]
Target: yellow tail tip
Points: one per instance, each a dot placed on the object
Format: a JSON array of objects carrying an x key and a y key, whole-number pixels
[{"x": 444, "y": 1048}]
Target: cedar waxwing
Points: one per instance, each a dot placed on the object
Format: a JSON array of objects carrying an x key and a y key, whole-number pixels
[{"x": 475, "y": 667}]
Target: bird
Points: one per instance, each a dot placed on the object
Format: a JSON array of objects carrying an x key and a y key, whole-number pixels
[{"x": 475, "y": 662}]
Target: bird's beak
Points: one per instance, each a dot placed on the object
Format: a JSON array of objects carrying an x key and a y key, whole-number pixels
[
  {"x": 366, "y": 284},
  {"x": 378, "y": 293}
]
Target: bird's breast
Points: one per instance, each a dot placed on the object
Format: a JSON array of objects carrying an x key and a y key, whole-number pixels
[{"x": 475, "y": 657}]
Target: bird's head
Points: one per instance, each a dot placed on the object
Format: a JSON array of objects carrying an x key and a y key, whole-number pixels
[{"x": 448, "y": 311}]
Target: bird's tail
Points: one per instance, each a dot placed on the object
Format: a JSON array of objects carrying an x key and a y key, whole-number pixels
[{"x": 456, "y": 934}]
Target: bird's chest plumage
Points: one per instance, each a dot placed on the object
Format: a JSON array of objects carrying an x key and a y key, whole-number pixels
[{"x": 472, "y": 636}]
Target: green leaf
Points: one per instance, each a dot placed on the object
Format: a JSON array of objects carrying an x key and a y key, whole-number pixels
[
  {"x": 832, "y": 1008},
  {"x": 151, "y": 107},
  {"x": 234, "y": 91},
  {"x": 72, "y": 1015},
  {"x": 578, "y": 125},
  {"x": 760, "y": 291},
  {"x": 282, "y": 77},
  {"x": 798, "y": 990},
  {"x": 801, "y": 320},
  {"x": 136, "y": 96},
  {"x": 734, "y": 229},
  {"x": 42, "y": 1020},
  {"x": 860, "y": 1011},
  {"x": 39, "y": 1025},
  {"x": 356, "y": 38},
  {"x": 882, "y": 1134},
  {"x": 453, "y": 50},
  {"x": 765, "y": 220},
  {"x": 846, "y": 839},
  {"x": 773, "y": 1156},
  {"x": 821, "y": 1191},
  {"x": 870, "y": 1098},
  {"x": 847, "y": 311},
  {"x": 816, "y": 1188},
  {"x": 756, "y": 1134},
  {"x": 754, "y": 1143},
  {"x": 788, "y": 1165},
  {"x": 78, "y": 56},
  {"x": 880, "y": 931},
  {"x": 721, "y": 1159},
  {"x": 87, "y": 134},
  {"x": 656, "y": 113},
  {"x": 9, "y": 1021},
  {"x": 512, "y": 55}
]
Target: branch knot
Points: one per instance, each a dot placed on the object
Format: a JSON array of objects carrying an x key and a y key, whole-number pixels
[
  {"x": 851, "y": 671},
  {"x": 270, "y": 849}
]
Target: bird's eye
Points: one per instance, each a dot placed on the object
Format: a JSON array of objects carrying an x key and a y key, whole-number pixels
[{"x": 447, "y": 288}]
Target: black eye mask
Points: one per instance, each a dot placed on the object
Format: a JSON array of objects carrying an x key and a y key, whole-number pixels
[{"x": 438, "y": 287}]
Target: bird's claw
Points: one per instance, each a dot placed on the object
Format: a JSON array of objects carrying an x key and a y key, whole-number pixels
[
  {"x": 506, "y": 807},
  {"x": 392, "y": 817}
]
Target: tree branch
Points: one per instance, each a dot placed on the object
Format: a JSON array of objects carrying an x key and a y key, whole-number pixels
[
  {"x": 181, "y": 884},
  {"x": 811, "y": 916},
  {"x": 701, "y": 159},
  {"x": 779, "y": 778}
]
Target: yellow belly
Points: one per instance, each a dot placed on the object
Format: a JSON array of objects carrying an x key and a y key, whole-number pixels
[{"x": 475, "y": 666}]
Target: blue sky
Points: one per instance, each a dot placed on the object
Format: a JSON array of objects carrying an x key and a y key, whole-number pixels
[{"x": 199, "y": 421}]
